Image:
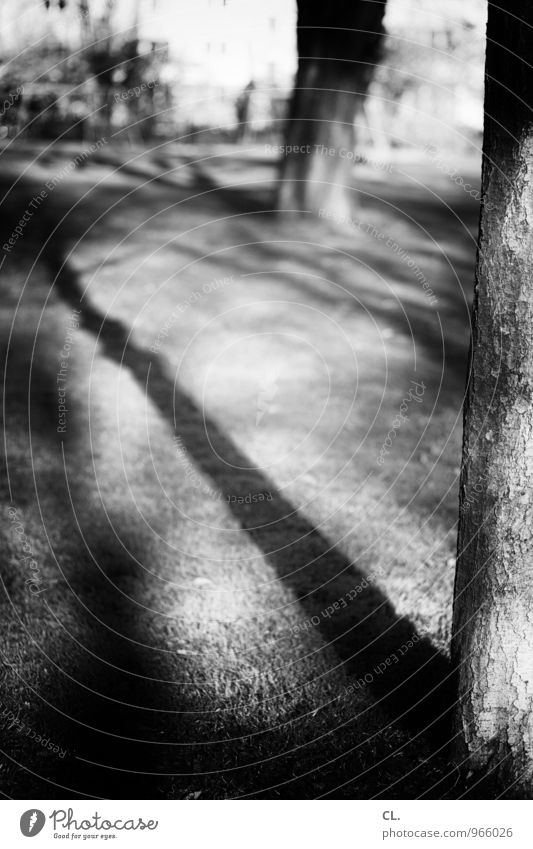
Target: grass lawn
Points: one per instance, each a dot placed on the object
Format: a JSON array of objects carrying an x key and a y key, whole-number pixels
[{"x": 240, "y": 591}]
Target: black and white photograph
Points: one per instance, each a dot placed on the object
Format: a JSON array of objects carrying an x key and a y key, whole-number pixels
[{"x": 267, "y": 416}]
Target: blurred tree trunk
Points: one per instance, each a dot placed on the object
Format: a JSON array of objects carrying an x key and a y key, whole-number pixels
[
  {"x": 338, "y": 47},
  {"x": 493, "y": 612}
]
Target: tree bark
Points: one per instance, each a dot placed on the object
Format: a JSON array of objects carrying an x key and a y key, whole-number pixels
[
  {"x": 338, "y": 47},
  {"x": 493, "y": 611}
]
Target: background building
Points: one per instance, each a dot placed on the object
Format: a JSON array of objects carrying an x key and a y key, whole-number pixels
[{"x": 204, "y": 56}]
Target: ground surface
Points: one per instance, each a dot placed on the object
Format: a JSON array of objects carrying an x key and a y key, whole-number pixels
[{"x": 218, "y": 555}]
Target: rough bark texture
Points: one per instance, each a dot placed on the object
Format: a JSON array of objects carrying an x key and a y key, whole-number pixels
[
  {"x": 338, "y": 46},
  {"x": 493, "y": 612}
]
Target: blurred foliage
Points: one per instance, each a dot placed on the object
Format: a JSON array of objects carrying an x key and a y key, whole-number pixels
[{"x": 82, "y": 76}]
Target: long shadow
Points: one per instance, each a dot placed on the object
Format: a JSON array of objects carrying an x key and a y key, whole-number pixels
[
  {"x": 418, "y": 686},
  {"x": 418, "y": 689}
]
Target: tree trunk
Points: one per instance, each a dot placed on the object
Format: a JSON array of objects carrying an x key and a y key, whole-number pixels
[
  {"x": 338, "y": 46},
  {"x": 493, "y": 611}
]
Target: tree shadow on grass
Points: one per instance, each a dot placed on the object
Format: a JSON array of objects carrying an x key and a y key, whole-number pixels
[{"x": 415, "y": 690}]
